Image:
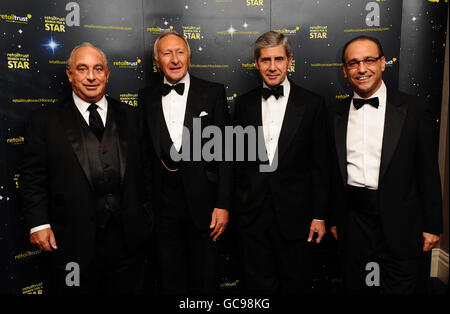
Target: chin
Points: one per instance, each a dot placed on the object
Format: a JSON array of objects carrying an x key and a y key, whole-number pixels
[{"x": 174, "y": 79}]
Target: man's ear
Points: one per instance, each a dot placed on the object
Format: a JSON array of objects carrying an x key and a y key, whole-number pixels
[
  {"x": 383, "y": 63},
  {"x": 290, "y": 60},
  {"x": 345, "y": 72},
  {"x": 108, "y": 72},
  {"x": 69, "y": 74},
  {"x": 256, "y": 63}
]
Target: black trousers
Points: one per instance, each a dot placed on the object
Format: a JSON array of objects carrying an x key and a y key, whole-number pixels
[
  {"x": 113, "y": 270},
  {"x": 365, "y": 244},
  {"x": 186, "y": 255},
  {"x": 270, "y": 263}
]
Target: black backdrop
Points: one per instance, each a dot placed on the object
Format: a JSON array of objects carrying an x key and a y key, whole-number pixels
[{"x": 37, "y": 36}]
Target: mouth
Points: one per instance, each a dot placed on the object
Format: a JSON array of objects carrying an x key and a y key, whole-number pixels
[
  {"x": 272, "y": 76},
  {"x": 91, "y": 87},
  {"x": 363, "y": 78}
]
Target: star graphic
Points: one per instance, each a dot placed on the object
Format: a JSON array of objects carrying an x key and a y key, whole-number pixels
[{"x": 52, "y": 45}]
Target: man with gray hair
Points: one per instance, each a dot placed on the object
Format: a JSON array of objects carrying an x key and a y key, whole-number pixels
[
  {"x": 280, "y": 213},
  {"x": 192, "y": 198},
  {"x": 83, "y": 186}
]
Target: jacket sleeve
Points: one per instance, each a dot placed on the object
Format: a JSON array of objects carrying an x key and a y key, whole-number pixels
[{"x": 33, "y": 180}]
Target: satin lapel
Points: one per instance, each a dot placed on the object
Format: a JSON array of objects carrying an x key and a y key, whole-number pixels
[
  {"x": 393, "y": 123},
  {"x": 340, "y": 134},
  {"x": 71, "y": 119},
  {"x": 254, "y": 110},
  {"x": 196, "y": 103},
  {"x": 291, "y": 121},
  {"x": 195, "y": 100},
  {"x": 120, "y": 127},
  {"x": 154, "y": 115},
  {"x": 254, "y": 116}
]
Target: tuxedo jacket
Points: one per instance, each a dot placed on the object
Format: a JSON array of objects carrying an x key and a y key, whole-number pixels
[
  {"x": 207, "y": 185},
  {"x": 409, "y": 187},
  {"x": 299, "y": 185},
  {"x": 56, "y": 180}
]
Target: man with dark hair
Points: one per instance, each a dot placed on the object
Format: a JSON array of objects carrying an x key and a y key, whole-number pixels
[
  {"x": 387, "y": 207},
  {"x": 83, "y": 186},
  {"x": 279, "y": 213},
  {"x": 192, "y": 198}
]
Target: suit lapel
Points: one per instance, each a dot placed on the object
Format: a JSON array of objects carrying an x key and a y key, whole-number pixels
[
  {"x": 393, "y": 123},
  {"x": 119, "y": 124},
  {"x": 71, "y": 119},
  {"x": 254, "y": 110},
  {"x": 291, "y": 121},
  {"x": 194, "y": 103},
  {"x": 340, "y": 131},
  {"x": 253, "y": 113},
  {"x": 154, "y": 115}
]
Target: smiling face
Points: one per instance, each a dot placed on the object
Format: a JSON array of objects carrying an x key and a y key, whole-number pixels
[
  {"x": 365, "y": 79},
  {"x": 88, "y": 74},
  {"x": 273, "y": 65},
  {"x": 173, "y": 58}
]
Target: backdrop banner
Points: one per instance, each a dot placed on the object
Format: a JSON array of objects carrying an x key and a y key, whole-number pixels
[{"x": 37, "y": 37}]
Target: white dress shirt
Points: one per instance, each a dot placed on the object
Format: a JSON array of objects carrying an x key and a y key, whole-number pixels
[
  {"x": 174, "y": 108},
  {"x": 272, "y": 118},
  {"x": 83, "y": 108},
  {"x": 365, "y": 140}
]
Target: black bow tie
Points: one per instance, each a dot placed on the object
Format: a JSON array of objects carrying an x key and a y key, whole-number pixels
[
  {"x": 166, "y": 88},
  {"x": 359, "y": 102},
  {"x": 277, "y": 92}
]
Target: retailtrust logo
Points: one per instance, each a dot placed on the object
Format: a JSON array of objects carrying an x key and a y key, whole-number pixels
[
  {"x": 156, "y": 30},
  {"x": 12, "y": 18},
  {"x": 391, "y": 62},
  {"x": 287, "y": 31},
  {"x": 232, "y": 97},
  {"x": 125, "y": 64}
]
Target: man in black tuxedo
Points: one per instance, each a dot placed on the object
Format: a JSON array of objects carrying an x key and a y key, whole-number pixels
[
  {"x": 192, "y": 196},
  {"x": 83, "y": 186},
  {"x": 386, "y": 205},
  {"x": 279, "y": 212}
]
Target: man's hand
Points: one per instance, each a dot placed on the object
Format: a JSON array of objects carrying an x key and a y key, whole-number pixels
[
  {"x": 333, "y": 231},
  {"x": 44, "y": 239},
  {"x": 219, "y": 221},
  {"x": 429, "y": 241},
  {"x": 316, "y": 227}
]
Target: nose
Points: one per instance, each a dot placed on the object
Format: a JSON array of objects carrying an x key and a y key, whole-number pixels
[
  {"x": 272, "y": 66},
  {"x": 361, "y": 67},
  {"x": 174, "y": 58},
  {"x": 90, "y": 75}
]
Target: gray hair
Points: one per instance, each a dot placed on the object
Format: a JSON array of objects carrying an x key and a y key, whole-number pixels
[
  {"x": 85, "y": 44},
  {"x": 271, "y": 39},
  {"x": 165, "y": 34}
]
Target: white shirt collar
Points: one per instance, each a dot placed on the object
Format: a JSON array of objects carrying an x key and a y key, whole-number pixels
[{"x": 83, "y": 105}]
